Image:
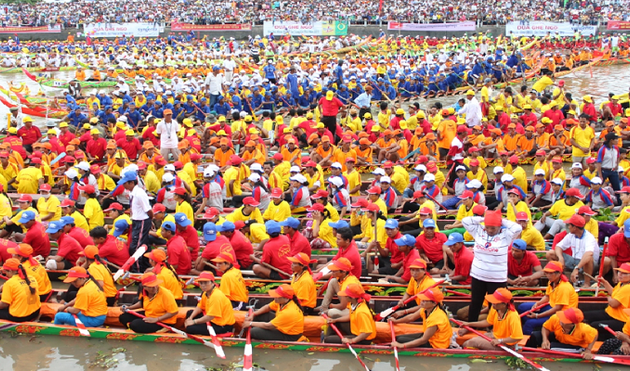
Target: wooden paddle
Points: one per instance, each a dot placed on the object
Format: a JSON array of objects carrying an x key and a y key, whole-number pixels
[
  {"x": 82, "y": 329},
  {"x": 534, "y": 309},
  {"x": 332, "y": 325},
  {"x": 597, "y": 358},
  {"x": 391, "y": 327},
  {"x": 387, "y": 312},
  {"x": 248, "y": 353},
  {"x": 601, "y": 266}
]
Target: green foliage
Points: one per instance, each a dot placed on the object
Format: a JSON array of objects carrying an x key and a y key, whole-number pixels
[{"x": 605, "y": 215}]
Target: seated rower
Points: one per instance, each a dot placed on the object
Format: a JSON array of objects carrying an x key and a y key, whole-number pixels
[
  {"x": 505, "y": 322},
  {"x": 158, "y": 305},
  {"x": 19, "y": 301},
  {"x": 560, "y": 295},
  {"x": 358, "y": 326},
  {"x": 342, "y": 277},
  {"x": 232, "y": 283},
  {"x": 524, "y": 268},
  {"x": 24, "y": 253},
  {"x": 214, "y": 308},
  {"x": 407, "y": 246},
  {"x": 620, "y": 344},
  {"x": 565, "y": 330},
  {"x": 288, "y": 322},
  {"x": 419, "y": 282},
  {"x": 618, "y": 299},
  {"x": 302, "y": 282},
  {"x": 216, "y": 244},
  {"x": 90, "y": 304},
  {"x": 461, "y": 258},
  {"x": 165, "y": 272},
  {"x": 99, "y": 272},
  {"x": 390, "y": 257},
  {"x": 68, "y": 251},
  {"x": 436, "y": 328},
  {"x": 274, "y": 254},
  {"x": 176, "y": 248}
]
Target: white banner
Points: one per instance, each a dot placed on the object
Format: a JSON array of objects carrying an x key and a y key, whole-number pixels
[
  {"x": 444, "y": 27},
  {"x": 319, "y": 28},
  {"x": 545, "y": 28},
  {"x": 121, "y": 29}
]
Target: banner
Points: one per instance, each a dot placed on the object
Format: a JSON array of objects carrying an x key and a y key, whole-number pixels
[
  {"x": 618, "y": 25},
  {"x": 96, "y": 30},
  {"x": 320, "y": 28},
  {"x": 456, "y": 26},
  {"x": 210, "y": 27},
  {"x": 544, "y": 28},
  {"x": 43, "y": 29}
]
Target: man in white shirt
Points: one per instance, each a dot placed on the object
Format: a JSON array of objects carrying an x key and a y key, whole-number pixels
[
  {"x": 214, "y": 85},
  {"x": 228, "y": 66},
  {"x": 472, "y": 109},
  {"x": 141, "y": 216},
  {"x": 168, "y": 129},
  {"x": 584, "y": 250}
]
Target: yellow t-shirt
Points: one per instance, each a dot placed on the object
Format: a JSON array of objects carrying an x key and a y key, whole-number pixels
[
  {"x": 278, "y": 212},
  {"x": 238, "y": 215},
  {"x": 325, "y": 233},
  {"x": 184, "y": 207},
  {"x": 289, "y": 318},
  {"x": 354, "y": 179},
  {"x": 415, "y": 288},
  {"x": 232, "y": 174},
  {"x": 304, "y": 288},
  {"x": 28, "y": 180},
  {"x": 621, "y": 292},
  {"x": 171, "y": 282},
  {"x": 41, "y": 276},
  {"x": 217, "y": 306},
  {"x": 94, "y": 213},
  {"x": 233, "y": 285},
  {"x": 100, "y": 273},
  {"x": 361, "y": 321},
  {"x": 441, "y": 339},
  {"x": 508, "y": 326},
  {"x": 562, "y": 211},
  {"x": 49, "y": 206},
  {"x": 17, "y": 294},
  {"x": 80, "y": 221},
  {"x": 163, "y": 302},
  {"x": 91, "y": 300},
  {"x": 583, "y": 137}
]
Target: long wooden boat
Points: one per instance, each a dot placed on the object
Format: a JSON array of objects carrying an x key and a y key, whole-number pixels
[{"x": 612, "y": 62}]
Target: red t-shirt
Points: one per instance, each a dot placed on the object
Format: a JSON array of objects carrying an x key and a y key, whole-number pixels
[
  {"x": 463, "y": 262},
  {"x": 82, "y": 237},
  {"x": 352, "y": 254},
  {"x": 526, "y": 266},
  {"x": 214, "y": 248},
  {"x": 148, "y": 135},
  {"x": 432, "y": 248},
  {"x": 330, "y": 107},
  {"x": 619, "y": 248},
  {"x": 395, "y": 255},
  {"x": 407, "y": 260},
  {"x": 130, "y": 147},
  {"x": 276, "y": 253},
  {"x": 4, "y": 245},
  {"x": 242, "y": 249},
  {"x": 29, "y": 136},
  {"x": 114, "y": 250},
  {"x": 69, "y": 248},
  {"x": 192, "y": 240},
  {"x": 299, "y": 244},
  {"x": 38, "y": 239},
  {"x": 96, "y": 148},
  {"x": 178, "y": 255},
  {"x": 66, "y": 137}
]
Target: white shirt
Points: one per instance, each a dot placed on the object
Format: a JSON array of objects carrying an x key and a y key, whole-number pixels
[
  {"x": 168, "y": 133},
  {"x": 140, "y": 205},
  {"x": 472, "y": 109},
  {"x": 490, "y": 263},
  {"x": 580, "y": 246},
  {"x": 214, "y": 83},
  {"x": 216, "y": 196}
]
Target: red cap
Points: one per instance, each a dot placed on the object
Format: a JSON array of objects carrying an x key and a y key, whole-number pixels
[
  {"x": 574, "y": 192},
  {"x": 157, "y": 208},
  {"x": 94, "y": 169},
  {"x": 250, "y": 201},
  {"x": 25, "y": 198},
  {"x": 493, "y": 219},
  {"x": 178, "y": 164},
  {"x": 142, "y": 165},
  {"x": 320, "y": 194},
  {"x": 239, "y": 224},
  {"x": 278, "y": 156},
  {"x": 117, "y": 206},
  {"x": 88, "y": 188},
  {"x": 625, "y": 189},
  {"x": 180, "y": 191},
  {"x": 45, "y": 187},
  {"x": 195, "y": 157},
  {"x": 375, "y": 190},
  {"x": 576, "y": 220},
  {"x": 560, "y": 82},
  {"x": 514, "y": 160},
  {"x": 36, "y": 160},
  {"x": 462, "y": 129},
  {"x": 310, "y": 164},
  {"x": 466, "y": 194},
  {"x": 388, "y": 165},
  {"x": 425, "y": 211},
  {"x": 474, "y": 162},
  {"x": 361, "y": 202},
  {"x": 235, "y": 160},
  {"x": 541, "y": 153},
  {"x": 585, "y": 210},
  {"x": 521, "y": 215},
  {"x": 67, "y": 203},
  {"x": 480, "y": 210},
  {"x": 276, "y": 193},
  {"x": 372, "y": 207},
  {"x": 69, "y": 159},
  {"x": 316, "y": 207}
]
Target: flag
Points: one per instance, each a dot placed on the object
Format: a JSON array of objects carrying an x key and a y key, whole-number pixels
[{"x": 29, "y": 75}]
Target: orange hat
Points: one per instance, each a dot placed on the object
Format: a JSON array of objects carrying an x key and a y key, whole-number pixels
[
  {"x": 341, "y": 264},
  {"x": 205, "y": 277},
  {"x": 624, "y": 268},
  {"x": 433, "y": 294},
  {"x": 157, "y": 255},
  {"x": 283, "y": 291},
  {"x": 12, "y": 265},
  {"x": 224, "y": 257},
  {"x": 150, "y": 280},
  {"x": 430, "y": 136},
  {"x": 500, "y": 295},
  {"x": 24, "y": 250},
  {"x": 418, "y": 263},
  {"x": 90, "y": 251},
  {"x": 365, "y": 141},
  {"x": 571, "y": 315},
  {"x": 301, "y": 258},
  {"x": 553, "y": 266},
  {"x": 74, "y": 273},
  {"x": 355, "y": 291}
]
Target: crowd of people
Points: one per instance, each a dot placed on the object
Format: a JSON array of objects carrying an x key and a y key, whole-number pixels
[{"x": 75, "y": 13}]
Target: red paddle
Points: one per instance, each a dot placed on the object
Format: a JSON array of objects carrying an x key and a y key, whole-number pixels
[
  {"x": 597, "y": 358},
  {"x": 332, "y": 325},
  {"x": 391, "y": 327}
]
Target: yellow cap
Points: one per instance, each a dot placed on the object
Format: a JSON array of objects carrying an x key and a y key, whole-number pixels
[
  {"x": 27, "y": 119},
  {"x": 63, "y": 125},
  {"x": 13, "y": 130},
  {"x": 94, "y": 131},
  {"x": 130, "y": 132},
  {"x": 188, "y": 122},
  {"x": 87, "y": 126},
  {"x": 221, "y": 118},
  {"x": 120, "y": 124},
  {"x": 94, "y": 120},
  {"x": 50, "y": 131}
]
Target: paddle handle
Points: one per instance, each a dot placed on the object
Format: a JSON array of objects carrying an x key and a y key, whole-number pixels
[
  {"x": 608, "y": 329},
  {"x": 533, "y": 310},
  {"x": 332, "y": 325},
  {"x": 391, "y": 328},
  {"x": 391, "y": 310},
  {"x": 601, "y": 265},
  {"x": 275, "y": 269},
  {"x": 248, "y": 353}
]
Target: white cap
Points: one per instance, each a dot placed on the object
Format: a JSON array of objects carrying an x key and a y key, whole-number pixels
[
  {"x": 596, "y": 180},
  {"x": 576, "y": 165},
  {"x": 128, "y": 168},
  {"x": 378, "y": 171},
  {"x": 169, "y": 167},
  {"x": 385, "y": 179},
  {"x": 420, "y": 168},
  {"x": 620, "y": 169},
  {"x": 298, "y": 178},
  {"x": 557, "y": 181},
  {"x": 71, "y": 173},
  {"x": 540, "y": 172},
  {"x": 460, "y": 167},
  {"x": 207, "y": 172},
  {"x": 429, "y": 177},
  {"x": 255, "y": 177},
  {"x": 336, "y": 165},
  {"x": 83, "y": 166},
  {"x": 337, "y": 181},
  {"x": 256, "y": 167},
  {"x": 475, "y": 183},
  {"x": 294, "y": 169},
  {"x": 507, "y": 178},
  {"x": 168, "y": 177},
  {"x": 497, "y": 169}
]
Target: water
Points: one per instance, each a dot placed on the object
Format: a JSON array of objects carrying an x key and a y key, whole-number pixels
[{"x": 25, "y": 353}]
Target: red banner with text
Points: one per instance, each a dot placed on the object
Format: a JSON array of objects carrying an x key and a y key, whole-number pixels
[
  {"x": 43, "y": 29},
  {"x": 210, "y": 27},
  {"x": 618, "y": 25}
]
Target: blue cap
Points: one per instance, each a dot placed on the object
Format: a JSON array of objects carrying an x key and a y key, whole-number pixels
[
  {"x": 26, "y": 216},
  {"x": 428, "y": 223},
  {"x": 169, "y": 226},
  {"x": 291, "y": 223},
  {"x": 215, "y": 68},
  {"x": 203, "y": 99},
  {"x": 121, "y": 226},
  {"x": 176, "y": 102},
  {"x": 182, "y": 219},
  {"x": 519, "y": 244},
  {"x": 626, "y": 228},
  {"x": 209, "y": 232},
  {"x": 391, "y": 224},
  {"x": 226, "y": 226},
  {"x": 454, "y": 238},
  {"x": 67, "y": 220},
  {"x": 273, "y": 227},
  {"x": 340, "y": 224},
  {"x": 54, "y": 227},
  {"x": 406, "y": 240},
  {"x": 128, "y": 177}
]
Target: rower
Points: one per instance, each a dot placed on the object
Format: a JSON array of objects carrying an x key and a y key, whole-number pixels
[
  {"x": 165, "y": 272},
  {"x": 456, "y": 253},
  {"x": 302, "y": 282},
  {"x": 565, "y": 330},
  {"x": 68, "y": 251},
  {"x": 561, "y": 209},
  {"x": 532, "y": 236},
  {"x": 217, "y": 244},
  {"x": 159, "y": 306},
  {"x": 109, "y": 247},
  {"x": 620, "y": 344},
  {"x": 524, "y": 268},
  {"x": 436, "y": 328},
  {"x": 419, "y": 282},
  {"x": 560, "y": 295},
  {"x": 584, "y": 250},
  {"x": 99, "y": 272},
  {"x": 90, "y": 305},
  {"x": 24, "y": 253},
  {"x": 504, "y": 319},
  {"x": 288, "y": 322},
  {"x": 407, "y": 246},
  {"x": 357, "y": 325},
  {"x": 274, "y": 254},
  {"x": 214, "y": 309},
  {"x": 341, "y": 277},
  {"x": 232, "y": 283},
  {"x": 389, "y": 256},
  {"x": 187, "y": 231},
  {"x": 19, "y": 302},
  {"x": 618, "y": 250},
  {"x": 176, "y": 248},
  {"x": 240, "y": 244}
]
